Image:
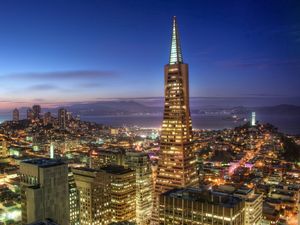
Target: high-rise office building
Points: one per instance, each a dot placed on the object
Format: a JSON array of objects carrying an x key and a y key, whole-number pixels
[
  {"x": 197, "y": 206},
  {"x": 176, "y": 164},
  {"x": 44, "y": 191},
  {"x": 36, "y": 111},
  {"x": 140, "y": 163},
  {"x": 94, "y": 194},
  {"x": 104, "y": 157},
  {"x": 69, "y": 116},
  {"x": 30, "y": 114},
  {"x": 3, "y": 146},
  {"x": 106, "y": 195},
  {"x": 62, "y": 118},
  {"x": 253, "y": 205},
  {"x": 94, "y": 188},
  {"x": 123, "y": 192},
  {"x": 16, "y": 115},
  {"x": 253, "y": 119},
  {"x": 47, "y": 118},
  {"x": 74, "y": 201}
]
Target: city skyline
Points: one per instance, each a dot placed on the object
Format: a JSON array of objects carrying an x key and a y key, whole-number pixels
[
  {"x": 61, "y": 52},
  {"x": 90, "y": 140}
]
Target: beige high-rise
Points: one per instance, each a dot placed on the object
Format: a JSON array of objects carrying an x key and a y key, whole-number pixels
[
  {"x": 202, "y": 207},
  {"x": 140, "y": 163},
  {"x": 106, "y": 195},
  {"x": 44, "y": 191},
  {"x": 176, "y": 165},
  {"x": 123, "y": 193},
  {"x": 94, "y": 188},
  {"x": 74, "y": 203}
]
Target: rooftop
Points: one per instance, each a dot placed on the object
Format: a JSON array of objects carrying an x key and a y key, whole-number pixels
[
  {"x": 45, "y": 222},
  {"x": 204, "y": 195},
  {"x": 85, "y": 169},
  {"x": 116, "y": 169},
  {"x": 85, "y": 172},
  {"x": 136, "y": 153},
  {"x": 43, "y": 162},
  {"x": 100, "y": 151},
  {"x": 243, "y": 191}
]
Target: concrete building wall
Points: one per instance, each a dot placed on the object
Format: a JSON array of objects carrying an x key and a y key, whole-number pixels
[{"x": 44, "y": 191}]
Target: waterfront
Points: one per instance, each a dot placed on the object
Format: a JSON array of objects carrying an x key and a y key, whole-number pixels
[
  {"x": 289, "y": 124},
  {"x": 286, "y": 124}
]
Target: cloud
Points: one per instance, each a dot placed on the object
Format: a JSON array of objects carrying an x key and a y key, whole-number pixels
[
  {"x": 38, "y": 100},
  {"x": 61, "y": 75},
  {"x": 43, "y": 87},
  {"x": 11, "y": 101},
  {"x": 90, "y": 85}
]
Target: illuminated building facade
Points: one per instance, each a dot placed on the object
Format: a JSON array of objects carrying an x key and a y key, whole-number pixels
[
  {"x": 16, "y": 115},
  {"x": 30, "y": 114},
  {"x": 253, "y": 119},
  {"x": 95, "y": 196},
  {"x": 196, "y": 206},
  {"x": 253, "y": 205},
  {"x": 114, "y": 131},
  {"x": 44, "y": 191},
  {"x": 36, "y": 111},
  {"x": 123, "y": 192},
  {"x": 47, "y": 118},
  {"x": 62, "y": 118},
  {"x": 176, "y": 164},
  {"x": 105, "y": 157},
  {"x": 3, "y": 147},
  {"x": 51, "y": 153},
  {"x": 74, "y": 201},
  {"x": 140, "y": 163}
]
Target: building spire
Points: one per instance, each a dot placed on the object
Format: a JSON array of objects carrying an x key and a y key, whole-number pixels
[{"x": 175, "y": 56}]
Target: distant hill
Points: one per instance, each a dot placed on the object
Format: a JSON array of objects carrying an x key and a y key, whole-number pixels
[
  {"x": 132, "y": 107},
  {"x": 112, "y": 108},
  {"x": 104, "y": 108},
  {"x": 279, "y": 109},
  {"x": 291, "y": 149},
  {"x": 283, "y": 109}
]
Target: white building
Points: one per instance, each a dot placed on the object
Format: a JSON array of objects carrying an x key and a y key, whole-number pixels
[
  {"x": 253, "y": 119},
  {"x": 253, "y": 205}
]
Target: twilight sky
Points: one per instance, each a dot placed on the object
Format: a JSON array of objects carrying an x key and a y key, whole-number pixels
[{"x": 69, "y": 51}]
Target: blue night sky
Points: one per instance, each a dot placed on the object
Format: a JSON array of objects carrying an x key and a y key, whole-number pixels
[{"x": 69, "y": 51}]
